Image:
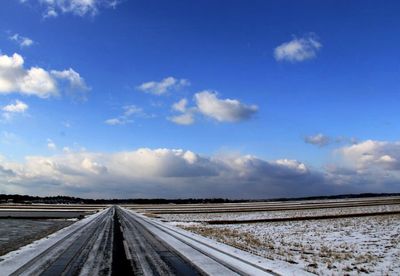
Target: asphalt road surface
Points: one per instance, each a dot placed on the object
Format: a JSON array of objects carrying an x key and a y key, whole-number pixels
[{"x": 117, "y": 241}]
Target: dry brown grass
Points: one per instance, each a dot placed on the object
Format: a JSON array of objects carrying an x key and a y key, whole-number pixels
[
  {"x": 244, "y": 241},
  {"x": 341, "y": 246}
]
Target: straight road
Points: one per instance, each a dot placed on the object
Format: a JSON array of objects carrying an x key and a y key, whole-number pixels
[
  {"x": 118, "y": 241},
  {"x": 156, "y": 249},
  {"x": 147, "y": 254}
]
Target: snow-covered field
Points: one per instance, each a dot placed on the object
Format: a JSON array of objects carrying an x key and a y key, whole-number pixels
[
  {"x": 340, "y": 246},
  {"x": 200, "y": 217}
]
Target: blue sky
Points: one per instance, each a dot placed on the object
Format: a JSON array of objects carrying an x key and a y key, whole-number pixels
[{"x": 259, "y": 82}]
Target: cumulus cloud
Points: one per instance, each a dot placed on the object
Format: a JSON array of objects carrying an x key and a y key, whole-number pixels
[
  {"x": 183, "y": 119},
  {"x": 129, "y": 112},
  {"x": 74, "y": 79},
  {"x": 372, "y": 154},
  {"x": 322, "y": 140},
  {"x": 187, "y": 114},
  {"x": 223, "y": 110},
  {"x": 14, "y": 78},
  {"x": 16, "y": 107},
  {"x": 368, "y": 166},
  {"x": 208, "y": 104},
  {"x": 251, "y": 167},
  {"x": 183, "y": 173},
  {"x": 77, "y": 7},
  {"x": 298, "y": 49},
  {"x": 180, "y": 105},
  {"x": 115, "y": 121},
  {"x": 22, "y": 41},
  {"x": 318, "y": 139},
  {"x": 163, "y": 86},
  {"x": 156, "y": 173},
  {"x": 51, "y": 145}
]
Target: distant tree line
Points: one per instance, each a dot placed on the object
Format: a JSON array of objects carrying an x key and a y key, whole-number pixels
[{"x": 15, "y": 198}]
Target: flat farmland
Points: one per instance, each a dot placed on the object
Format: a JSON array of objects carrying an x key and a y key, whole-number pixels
[
  {"x": 329, "y": 237},
  {"x": 324, "y": 237}
]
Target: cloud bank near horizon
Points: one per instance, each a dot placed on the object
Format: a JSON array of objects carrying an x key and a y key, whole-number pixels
[{"x": 370, "y": 166}]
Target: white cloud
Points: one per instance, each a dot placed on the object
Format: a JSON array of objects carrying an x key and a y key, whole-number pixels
[
  {"x": 371, "y": 155},
  {"x": 22, "y": 41},
  {"x": 180, "y": 105},
  {"x": 368, "y": 166},
  {"x": 114, "y": 121},
  {"x": 14, "y": 78},
  {"x": 50, "y": 13},
  {"x": 155, "y": 173},
  {"x": 77, "y": 7},
  {"x": 182, "y": 173},
  {"x": 318, "y": 140},
  {"x": 293, "y": 165},
  {"x": 92, "y": 166},
  {"x": 10, "y": 110},
  {"x": 187, "y": 116},
  {"x": 76, "y": 82},
  {"x": 208, "y": 104},
  {"x": 163, "y": 86},
  {"x": 223, "y": 110},
  {"x": 183, "y": 119},
  {"x": 51, "y": 145},
  {"x": 298, "y": 49},
  {"x": 322, "y": 140},
  {"x": 132, "y": 110},
  {"x": 16, "y": 107},
  {"x": 129, "y": 112}
]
